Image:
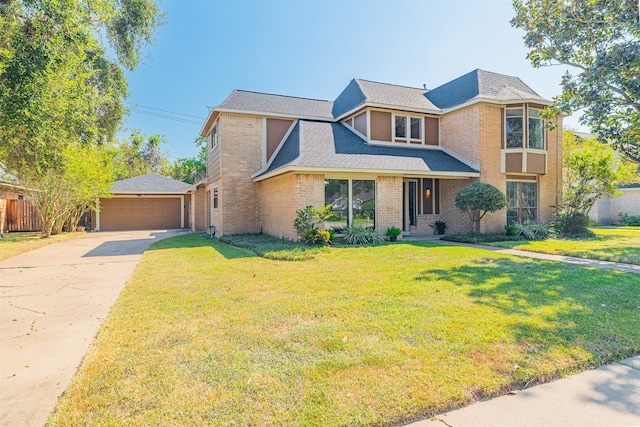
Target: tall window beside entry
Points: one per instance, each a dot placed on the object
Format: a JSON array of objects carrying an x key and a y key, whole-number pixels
[
  {"x": 352, "y": 202},
  {"x": 523, "y": 202},
  {"x": 514, "y": 128}
]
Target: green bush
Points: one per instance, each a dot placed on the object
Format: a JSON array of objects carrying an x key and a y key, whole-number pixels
[
  {"x": 630, "y": 220},
  {"x": 359, "y": 235},
  {"x": 574, "y": 224},
  {"x": 535, "y": 231},
  {"x": 511, "y": 230}
]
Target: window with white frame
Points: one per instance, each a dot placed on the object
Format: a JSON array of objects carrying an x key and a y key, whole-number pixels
[
  {"x": 407, "y": 129},
  {"x": 215, "y": 197}
]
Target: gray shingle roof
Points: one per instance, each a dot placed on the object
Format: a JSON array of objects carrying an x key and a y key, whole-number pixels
[
  {"x": 332, "y": 145},
  {"x": 150, "y": 183},
  {"x": 481, "y": 84},
  {"x": 476, "y": 84},
  {"x": 359, "y": 91},
  {"x": 268, "y": 103}
]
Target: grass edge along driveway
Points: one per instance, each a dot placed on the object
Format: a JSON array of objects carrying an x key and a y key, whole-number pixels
[{"x": 209, "y": 334}]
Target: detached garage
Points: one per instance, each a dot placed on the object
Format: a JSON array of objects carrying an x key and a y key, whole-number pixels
[{"x": 145, "y": 202}]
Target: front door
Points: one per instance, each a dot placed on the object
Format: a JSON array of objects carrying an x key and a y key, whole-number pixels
[{"x": 410, "y": 205}]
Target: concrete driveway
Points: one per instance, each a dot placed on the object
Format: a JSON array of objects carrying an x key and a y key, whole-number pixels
[{"x": 52, "y": 302}]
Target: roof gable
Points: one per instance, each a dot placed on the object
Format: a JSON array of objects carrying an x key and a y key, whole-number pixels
[{"x": 150, "y": 183}]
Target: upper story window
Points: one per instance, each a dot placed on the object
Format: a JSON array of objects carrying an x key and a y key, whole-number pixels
[
  {"x": 407, "y": 129},
  {"x": 536, "y": 130},
  {"x": 515, "y": 130},
  {"x": 214, "y": 136},
  {"x": 514, "y": 127}
]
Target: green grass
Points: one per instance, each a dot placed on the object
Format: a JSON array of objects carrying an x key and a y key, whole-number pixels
[
  {"x": 209, "y": 334},
  {"x": 621, "y": 244},
  {"x": 274, "y": 248},
  {"x": 17, "y": 243}
]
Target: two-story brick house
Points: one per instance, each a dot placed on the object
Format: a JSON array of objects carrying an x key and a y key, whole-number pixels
[{"x": 382, "y": 155}]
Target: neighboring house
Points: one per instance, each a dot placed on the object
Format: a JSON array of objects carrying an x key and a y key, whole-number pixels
[
  {"x": 382, "y": 155},
  {"x": 145, "y": 202},
  {"x": 607, "y": 210}
]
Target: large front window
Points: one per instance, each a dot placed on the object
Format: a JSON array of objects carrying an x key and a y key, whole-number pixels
[
  {"x": 523, "y": 202},
  {"x": 352, "y": 202}
]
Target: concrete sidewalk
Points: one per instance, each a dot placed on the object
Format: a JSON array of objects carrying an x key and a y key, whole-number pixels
[
  {"x": 629, "y": 268},
  {"x": 608, "y": 396},
  {"x": 52, "y": 302}
]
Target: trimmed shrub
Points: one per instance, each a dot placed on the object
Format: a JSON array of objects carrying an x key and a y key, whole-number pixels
[
  {"x": 630, "y": 220},
  {"x": 574, "y": 224}
]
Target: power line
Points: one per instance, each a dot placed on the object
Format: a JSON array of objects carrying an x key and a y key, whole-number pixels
[
  {"x": 171, "y": 115},
  {"x": 166, "y": 117}
]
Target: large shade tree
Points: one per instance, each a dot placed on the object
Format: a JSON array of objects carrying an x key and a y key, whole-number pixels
[
  {"x": 62, "y": 87},
  {"x": 58, "y": 84},
  {"x": 599, "y": 41}
]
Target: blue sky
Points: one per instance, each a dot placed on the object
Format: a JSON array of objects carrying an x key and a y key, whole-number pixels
[{"x": 312, "y": 49}]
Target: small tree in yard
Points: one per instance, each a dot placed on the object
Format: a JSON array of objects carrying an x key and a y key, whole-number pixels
[{"x": 479, "y": 198}]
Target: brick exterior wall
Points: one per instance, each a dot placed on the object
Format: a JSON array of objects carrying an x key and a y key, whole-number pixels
[
  {"x": 278, "y": 200},
  {"x": 607, "y": 211},
  {"x": 550, "y": 185},
  {"x": 490, "y": 140},
  {"x": 199, "y": 209},
  {"x": 388, "y": 203},
  {"x": 459, "y": 133},
  {"x": 240, "y": 157},
  {"x": 456, "y": 220},
  {"x": 216, "y": 215}
]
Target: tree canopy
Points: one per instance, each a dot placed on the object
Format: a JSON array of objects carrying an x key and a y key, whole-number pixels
[
  {"x": 191, "y": 169},
  {"x": 591, "y": 170},
  {"x": 58, "y": 84},
  {"x": 600, "y": 41},
  {"x": 479, "y": 198}
]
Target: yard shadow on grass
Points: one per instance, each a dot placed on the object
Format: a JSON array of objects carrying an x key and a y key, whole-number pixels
[
  {"x": 552, "y": 307},
  {"x": 201, "y": 240},
  {"x": 592, "y": 309}
]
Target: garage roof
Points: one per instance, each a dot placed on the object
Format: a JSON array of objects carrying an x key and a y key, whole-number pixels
[{"x": 150, "y": 183}]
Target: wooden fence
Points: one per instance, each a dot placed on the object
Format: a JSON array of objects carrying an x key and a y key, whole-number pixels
[{"x": 20, "y": 216}]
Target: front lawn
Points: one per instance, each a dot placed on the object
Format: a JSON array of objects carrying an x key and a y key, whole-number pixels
[
  {"x": 621, "y": 244},
  {"x": 16, "y": 243},
  {"x": 209, "y": 334}
]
